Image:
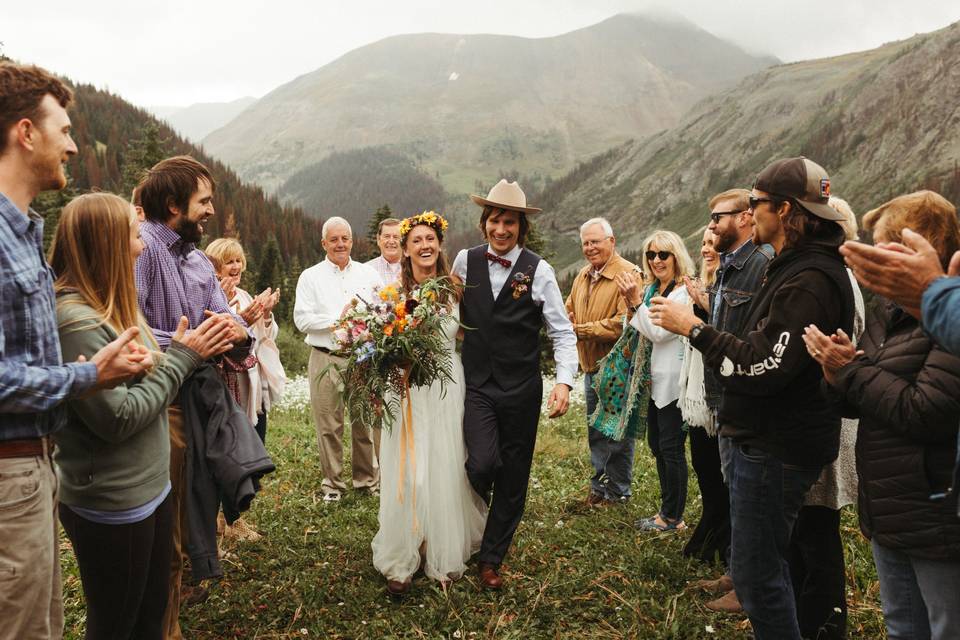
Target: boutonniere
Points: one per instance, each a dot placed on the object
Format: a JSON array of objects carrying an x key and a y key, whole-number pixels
[{"x": 520, "y": 284}]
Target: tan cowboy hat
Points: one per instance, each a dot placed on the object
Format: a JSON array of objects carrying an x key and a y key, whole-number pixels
[{"x": 506, "y": 195}]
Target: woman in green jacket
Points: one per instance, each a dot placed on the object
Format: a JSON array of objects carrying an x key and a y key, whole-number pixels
[{"x": 113, "y": 451}]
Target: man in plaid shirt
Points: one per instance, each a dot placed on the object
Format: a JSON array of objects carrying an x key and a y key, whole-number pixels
[{"x": 35, "y": 142}]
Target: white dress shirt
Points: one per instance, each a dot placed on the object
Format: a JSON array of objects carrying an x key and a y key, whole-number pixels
[
  {"x": 323, "y": 291},
  {"x": 666, "y": 358},
  {"x": 546, "y": 293}
]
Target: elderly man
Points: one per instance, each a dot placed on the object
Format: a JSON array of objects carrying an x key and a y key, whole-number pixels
[
  {"x": 596, "y": 310},
  {"x": 323, "y": 291},
  {"x": 387, "y": 264}
]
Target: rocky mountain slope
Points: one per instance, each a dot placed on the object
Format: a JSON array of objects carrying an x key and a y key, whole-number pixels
[
  {"x": 882, "y": 122},
  {"x": 468, "y": 106}
]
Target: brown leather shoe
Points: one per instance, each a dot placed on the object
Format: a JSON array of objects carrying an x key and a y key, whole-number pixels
[
  {"x": 397, "y": 588},
  {"x": 723, "y": 584},
  {"x": 727, "y": 603},
  {"x": 489, "y": 575}
]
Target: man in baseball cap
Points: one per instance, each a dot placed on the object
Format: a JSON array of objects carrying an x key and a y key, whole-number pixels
[{"x": 783, "y": 429}]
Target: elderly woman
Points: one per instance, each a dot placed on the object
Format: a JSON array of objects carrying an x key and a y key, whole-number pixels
[
  {"x": 665, "y": 263},
  {"x": 260, "y": 385},
  {"x": 906, "y": 391}
]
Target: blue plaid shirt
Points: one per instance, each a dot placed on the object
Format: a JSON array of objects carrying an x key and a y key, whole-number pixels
[{"x": 33, "y": 378}]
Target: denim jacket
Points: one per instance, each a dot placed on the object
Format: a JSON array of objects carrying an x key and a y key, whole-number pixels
[{"x": 741, "y": 279}]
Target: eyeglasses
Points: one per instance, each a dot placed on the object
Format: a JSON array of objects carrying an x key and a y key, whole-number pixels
[
  {"x": 663, "y": 255},
  {"x": 754, "y": 201},
  {"x": 716, "y": 215}
]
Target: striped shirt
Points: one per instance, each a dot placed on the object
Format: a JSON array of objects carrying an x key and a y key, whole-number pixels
[
  {"x": 33, "y": 378},
  {"x": 389, "y": 272},
  {"x": 175, "y": 279}
]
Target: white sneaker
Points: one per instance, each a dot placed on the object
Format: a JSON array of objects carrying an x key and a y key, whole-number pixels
[{"x": 333, "y": 496}]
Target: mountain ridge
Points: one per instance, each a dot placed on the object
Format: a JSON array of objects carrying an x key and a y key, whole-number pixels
[{"x": 468, "y": 106}]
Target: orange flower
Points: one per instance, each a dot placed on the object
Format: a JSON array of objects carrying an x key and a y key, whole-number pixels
[{"x": 388, "y": 330}]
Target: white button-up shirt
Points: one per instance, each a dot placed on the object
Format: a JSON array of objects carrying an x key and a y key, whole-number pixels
[
  {"x": 323, "y": 291},
  {"x": 666, "y": 357},
  {"x": 546, "y": 293}
]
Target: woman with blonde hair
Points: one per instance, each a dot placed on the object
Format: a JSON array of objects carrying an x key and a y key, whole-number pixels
[
  {"x": 113, "y": 452},
  {"x": 261, "y": 385},
  {"x": 665, "y": 262}
]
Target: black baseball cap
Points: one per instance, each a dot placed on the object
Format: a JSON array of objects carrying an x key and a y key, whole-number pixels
[{"x": 803, "y": 180}]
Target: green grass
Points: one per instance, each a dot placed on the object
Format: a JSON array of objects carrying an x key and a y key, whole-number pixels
[{"x": 572, "y": 572}]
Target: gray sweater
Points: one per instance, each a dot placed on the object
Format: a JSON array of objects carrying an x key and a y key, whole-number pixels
[{"x": 114, "y": 452}]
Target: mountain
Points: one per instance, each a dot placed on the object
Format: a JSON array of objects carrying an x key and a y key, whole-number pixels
[
  {"x": 355, "y": 183},
  {"x": 197, "y": 120},
  {"x": 466, "y": 107},
  {"x": 881, "y": 122}
]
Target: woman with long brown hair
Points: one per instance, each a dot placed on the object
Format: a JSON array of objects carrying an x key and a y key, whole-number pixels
[
  {"x": 113, "y": 451},
  {"x": 440, "y": 522}
]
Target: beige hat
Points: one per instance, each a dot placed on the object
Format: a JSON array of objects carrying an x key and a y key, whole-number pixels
[{"x": 506, "y": 195}]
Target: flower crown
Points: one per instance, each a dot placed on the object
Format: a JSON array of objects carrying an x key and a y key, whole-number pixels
[{"x": 429, "y": 218}]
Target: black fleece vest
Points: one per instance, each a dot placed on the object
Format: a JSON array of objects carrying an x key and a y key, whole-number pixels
[{"x": 502, "y": 340}]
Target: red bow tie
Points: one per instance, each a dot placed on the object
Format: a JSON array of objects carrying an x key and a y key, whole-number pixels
[{"x": 503, "y": 262}]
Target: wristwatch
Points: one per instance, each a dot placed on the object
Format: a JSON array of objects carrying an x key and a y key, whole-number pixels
[{"x": 695, "y": 330}]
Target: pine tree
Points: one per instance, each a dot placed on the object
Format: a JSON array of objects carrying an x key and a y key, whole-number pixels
[
  {"x": 270, "y": 270},
  {"x": 141, "y": 154},
  {"x": 538, "y": 243}
]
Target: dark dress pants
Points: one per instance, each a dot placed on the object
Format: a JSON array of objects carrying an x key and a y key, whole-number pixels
[
  {"x": 817, "y": 571},
  {"x": 500, "y": 430},
  {"x": 711, "y": 538}
]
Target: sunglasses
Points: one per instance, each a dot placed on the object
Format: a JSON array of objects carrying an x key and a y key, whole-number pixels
[
  {"x": 754, "y": 201},
  {"x": 716, "y": 215},
  {"x": 663, "y": 255}
]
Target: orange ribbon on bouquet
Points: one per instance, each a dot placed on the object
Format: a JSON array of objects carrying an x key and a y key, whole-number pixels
[{"x": 407, "y": 448}]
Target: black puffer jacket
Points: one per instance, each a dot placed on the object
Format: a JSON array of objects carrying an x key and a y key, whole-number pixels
[{"x": 906, "y": 392}]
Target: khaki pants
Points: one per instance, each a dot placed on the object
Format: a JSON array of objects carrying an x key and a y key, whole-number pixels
[
  {"x": 178, "y": 480},
  {"x": 328, "y": 416},
  {"x": 31, "y": 605}
]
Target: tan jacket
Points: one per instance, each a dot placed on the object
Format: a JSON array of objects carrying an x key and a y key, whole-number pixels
[{"x": 597, "y": 317}]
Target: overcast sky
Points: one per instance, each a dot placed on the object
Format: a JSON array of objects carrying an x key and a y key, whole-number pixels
[{"x": 184, "y": 51}]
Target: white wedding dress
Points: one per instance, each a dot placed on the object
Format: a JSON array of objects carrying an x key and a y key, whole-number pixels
[{"x": 437, "y": 509}]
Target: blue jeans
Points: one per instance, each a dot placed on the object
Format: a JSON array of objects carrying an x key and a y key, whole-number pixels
[
  {"x": 666, "y": 436},
  {"x": 765, "y": 497},
  {"x": 920, "y": 597},
  {"x": 612, "y": 460}
]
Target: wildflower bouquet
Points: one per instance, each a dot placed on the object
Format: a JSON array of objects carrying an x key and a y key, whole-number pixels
[{"x": 391, "y": 343}]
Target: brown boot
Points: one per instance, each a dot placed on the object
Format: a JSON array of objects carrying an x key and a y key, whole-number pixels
[
  {"x": 489, "y": 575},
  {"x": 721, "y": 585},
  {"x": 727, "y": 603}
]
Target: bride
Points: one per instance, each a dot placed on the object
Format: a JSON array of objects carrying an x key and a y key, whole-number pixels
[{"x": 429, "y": 516}]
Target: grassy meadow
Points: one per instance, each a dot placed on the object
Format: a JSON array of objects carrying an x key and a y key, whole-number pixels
[{"x": 573, "y": 572}]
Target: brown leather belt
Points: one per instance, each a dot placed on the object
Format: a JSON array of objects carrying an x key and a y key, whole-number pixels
[
  {"x": 323, "y": 349},
  {"x": 21, "y": 448}
]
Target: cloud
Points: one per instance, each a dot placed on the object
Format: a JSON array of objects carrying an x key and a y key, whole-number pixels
[{"x": 180, "y": 52}]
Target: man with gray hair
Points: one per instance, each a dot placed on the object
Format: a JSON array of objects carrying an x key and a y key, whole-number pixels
[
  {"x": 596, "y": 310},
  {"x": 323, "y": 291}
]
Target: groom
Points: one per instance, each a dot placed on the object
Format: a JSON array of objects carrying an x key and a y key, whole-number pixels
[{"x": 510, "y": 294}]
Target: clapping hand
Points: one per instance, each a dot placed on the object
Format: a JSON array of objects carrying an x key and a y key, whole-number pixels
[
  {"x": 673, "y": 316},
  {"x": 229, "y": 286},
  {"x": 697, "y": 292},
  {"x": 830, "y": 352},
  {"x": 238, "y": 335},
  {"x": 253, "y": 312},
  {"x": 210, "y": 339},
  {"x": 629, "y": 287},
  {"x": 269, "y": 297},
  {"x": 120, "y": 360}
]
